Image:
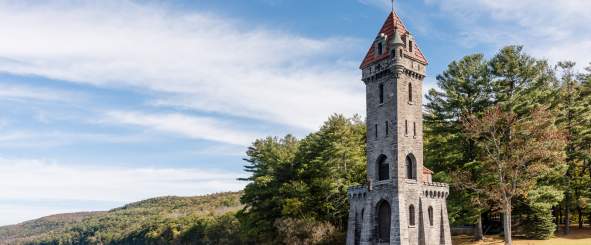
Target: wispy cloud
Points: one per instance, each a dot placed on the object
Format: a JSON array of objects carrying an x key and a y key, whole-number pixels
[
  {"x": 28, "y": 93},
  {"x": 550, "y": 29},
  {"x": 195, "y": 127},
  {"x": 30, "y": 179},
  {"x": 195, "y": 60},
  {"x": 16, "y": 138}
]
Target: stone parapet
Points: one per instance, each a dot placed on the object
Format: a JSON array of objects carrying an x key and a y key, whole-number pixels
[
  {"x": 357, "y": 192},
  {"x": 435, "y": 190}
]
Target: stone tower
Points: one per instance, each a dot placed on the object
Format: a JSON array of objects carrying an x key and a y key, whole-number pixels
[{"x": 400, "y": 205}]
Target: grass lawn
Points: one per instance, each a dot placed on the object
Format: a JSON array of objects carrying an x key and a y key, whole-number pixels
[{"x": 577, "y": 237}]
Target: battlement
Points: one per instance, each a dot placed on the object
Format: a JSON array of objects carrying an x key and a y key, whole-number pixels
[
  {"x": 386, "y": 67},
  {"x": 357, "y": 192},
  {"x": 435, "y": 190},
  {"x": 438, "y": 184}
]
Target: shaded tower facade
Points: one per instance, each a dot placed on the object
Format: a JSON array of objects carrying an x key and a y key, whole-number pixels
[{"x": 400, "y": 204}]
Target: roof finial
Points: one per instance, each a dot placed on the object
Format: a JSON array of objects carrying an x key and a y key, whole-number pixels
[{"x": 392, "y": 5}]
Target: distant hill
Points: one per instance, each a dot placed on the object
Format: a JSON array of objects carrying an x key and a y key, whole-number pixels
[
  {"x": 162, "y": 220},
  {"x": 31, "y": 229}
]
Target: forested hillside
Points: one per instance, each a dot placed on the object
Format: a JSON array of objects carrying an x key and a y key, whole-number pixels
[
  {"x": 164, "y": 220},
  {"x": 34, "y": 228}
]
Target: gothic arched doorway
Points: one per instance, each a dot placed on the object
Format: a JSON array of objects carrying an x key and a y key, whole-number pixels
[{"x": 383, "y": 219}]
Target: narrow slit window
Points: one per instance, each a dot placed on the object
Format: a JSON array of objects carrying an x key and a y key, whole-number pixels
[
  {"x": 410, "y": 92},
  {"x": 381, "y": 88},
  {"x": 387, "y": 128},
  {"x": 430, "y": 211},
  {"x": 410, "y": 46},
  {"x": 414, "y": 128},
  {"x": 405, "y": 127},
  {"x": 380, "y": 48},
  {"x": 376, "y": 129},
  {"x": 411, "y": 215}
]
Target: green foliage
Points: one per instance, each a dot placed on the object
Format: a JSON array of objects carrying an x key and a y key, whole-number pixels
[
  {"x": 573, "y": 108},
  {"x": 465, "y": 89},
  {"x": 270, "y": 162},
  {"x": 308, "y": 231},
  {"x": 303, "y": 179},
  {"x": 13, "y": 233},
  {"x": 166, "y": 220},
  {"x": 538, "y": 222},
  {"x": 539, "y": 225},
  {"x": 519, "y": 84}
]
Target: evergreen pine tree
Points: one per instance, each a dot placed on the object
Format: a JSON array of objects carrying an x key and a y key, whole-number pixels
[{"x": 464, "y": 90}]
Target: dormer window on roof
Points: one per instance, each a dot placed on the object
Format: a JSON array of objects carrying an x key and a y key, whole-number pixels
[{"x": 380, "y": 44}]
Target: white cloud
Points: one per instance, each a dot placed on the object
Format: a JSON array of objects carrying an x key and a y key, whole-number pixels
[
  {"x": 189, "y": 126},
  {"x": 25, "y": 179},
  {"x": 196, "y": 60},
  {"x": 556, "y": 30},
  {"x": 27, "y": 93},
  {"x": 15, "y": 138}
]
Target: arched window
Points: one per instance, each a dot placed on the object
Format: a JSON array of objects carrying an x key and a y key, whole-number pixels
[
  {"x": 383, "y": 168},
  {"x": 411, "y": 215},
  {"x": 380, "y": 48},
  {"x": 410, "y": 92},
  {"x": 430, "y": 211},
  {"x": 383, "y": 221},
  {"x": 411, "y": 167}
]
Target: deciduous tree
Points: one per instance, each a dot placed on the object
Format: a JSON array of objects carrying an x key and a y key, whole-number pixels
[{"x": 517, "y": 150}]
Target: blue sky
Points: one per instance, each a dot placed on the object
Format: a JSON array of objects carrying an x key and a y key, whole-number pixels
[{"x": 108, "y": 103}]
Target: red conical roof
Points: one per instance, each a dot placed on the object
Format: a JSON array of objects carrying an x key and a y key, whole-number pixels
[{"x": 392, "y": 23}]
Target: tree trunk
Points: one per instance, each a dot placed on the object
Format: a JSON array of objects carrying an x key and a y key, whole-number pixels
[
  {"x": 556, "y": 218},
  {"x": 567, "y": 214},
  {"x": 478, "y": 229},
  {"x": 560, "y": 221},
  {"x": 580, "y": 211},
  {"x": 507, "y": 227}
]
